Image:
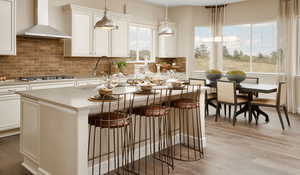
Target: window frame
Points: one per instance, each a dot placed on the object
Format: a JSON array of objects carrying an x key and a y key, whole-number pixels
[
  {"x": 251, "y": 45},
  {"x": 154, "y": 40}
]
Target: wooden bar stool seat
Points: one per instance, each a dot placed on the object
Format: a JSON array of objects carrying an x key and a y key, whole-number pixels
[
  {"x": 109, "y": 120},
  {"x": 185, "y": 103},
  {"x": 151, "y": 111}
]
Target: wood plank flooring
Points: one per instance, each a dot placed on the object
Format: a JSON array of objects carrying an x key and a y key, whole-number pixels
[{"x": 239, "y": 150}]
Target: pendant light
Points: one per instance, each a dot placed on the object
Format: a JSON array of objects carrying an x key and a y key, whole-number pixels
[
  {"x": 166, "y": 30},
  {"x": 106, "y": 23}
]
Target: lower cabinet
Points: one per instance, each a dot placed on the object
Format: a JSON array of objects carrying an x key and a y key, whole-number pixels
[
  {"x": 9, "y": 112},
  {"x": 10, "y": 107}
]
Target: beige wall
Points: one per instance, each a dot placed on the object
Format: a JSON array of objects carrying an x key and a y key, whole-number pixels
[
  {"x": 251, "y": 11},
  {"x": 25, "y": 11}
]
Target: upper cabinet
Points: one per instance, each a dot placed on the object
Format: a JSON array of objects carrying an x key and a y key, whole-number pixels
[
  {"x": 119, "y": 39},
  {"x": 167, "y": 44},
  {"x": 8, "y": 27},
  {"x": 101, "y": 39},
  {"x": 89, "y": 42}
]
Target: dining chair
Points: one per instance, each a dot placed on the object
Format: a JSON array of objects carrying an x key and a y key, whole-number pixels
[
  {"x": 210, "y": 96},
  {"x": 226, "y": 94},
  {"x": 278, "y": 103}
]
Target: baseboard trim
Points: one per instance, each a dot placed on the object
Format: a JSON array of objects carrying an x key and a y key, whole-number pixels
[{"x": 43, "y": 172}]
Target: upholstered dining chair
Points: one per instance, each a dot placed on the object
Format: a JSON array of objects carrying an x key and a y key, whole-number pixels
[
  {"x": 278, "y": 103},
  {"x": 226, "y": 94},
  {"x": 209, "y": 96}
]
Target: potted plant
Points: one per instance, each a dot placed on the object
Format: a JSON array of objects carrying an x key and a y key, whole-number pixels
[
  {"x": 121, "y": 65},
  {"x": 236, "y": 75},
  {"x": 213, "y": 75}
]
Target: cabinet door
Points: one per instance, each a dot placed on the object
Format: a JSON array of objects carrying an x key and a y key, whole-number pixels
[
  {"x": 119, "y": 40},
  {"x": 101, "y": 40},
  {"x": 7, "y": 29},
  {"x": 81, "y": 34},
  {"x": 10, "y": 112},
  {"x": 167, "y": 45}
]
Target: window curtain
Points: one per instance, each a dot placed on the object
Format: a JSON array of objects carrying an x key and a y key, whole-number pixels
[
  {"x": 287, "y": 26},
  {"x": 217, "y": 18}
]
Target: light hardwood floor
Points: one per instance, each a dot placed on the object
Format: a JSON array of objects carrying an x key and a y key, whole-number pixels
[{"x": 239, "y": 150}]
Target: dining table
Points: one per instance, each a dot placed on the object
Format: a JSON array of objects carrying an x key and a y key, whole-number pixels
[{"x": 251, "y": 89}]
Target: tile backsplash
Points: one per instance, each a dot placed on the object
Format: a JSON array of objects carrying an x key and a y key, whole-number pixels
[{"x": 39, "y": 57}]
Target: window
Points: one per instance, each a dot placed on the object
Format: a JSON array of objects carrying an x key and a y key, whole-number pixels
[
  {"x": 247, "y": 47},
  {"x": 264, "y": 47},
  {"x": 141, "y": 42},
  {"x": 202, "y": 47},
  {"x": 236, "y": 47}
]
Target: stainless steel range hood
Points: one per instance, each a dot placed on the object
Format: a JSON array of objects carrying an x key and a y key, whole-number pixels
[{"x": 42, "y": 28}]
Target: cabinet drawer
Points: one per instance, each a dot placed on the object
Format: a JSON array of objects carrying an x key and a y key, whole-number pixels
[
  {"x": 51, "y": 85},
  {"x": 13, "y": 88},
  {"x": 88, "y": 82}
]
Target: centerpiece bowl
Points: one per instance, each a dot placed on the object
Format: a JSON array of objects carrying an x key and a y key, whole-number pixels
[
  {"x": 213, "y": 75},
  {"x": 236, "y": 75}
]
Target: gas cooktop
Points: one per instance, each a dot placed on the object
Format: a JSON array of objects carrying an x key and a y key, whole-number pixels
[{"x": 40, "y": 78}]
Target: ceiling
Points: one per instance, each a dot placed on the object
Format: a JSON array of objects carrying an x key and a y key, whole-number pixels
[{"x": 191, "y": 2}]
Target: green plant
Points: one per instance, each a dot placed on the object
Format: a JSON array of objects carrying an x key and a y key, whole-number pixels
[
  {"x": 121, "y": 64},
  {"x": 213, "y": 71},
  {"x": 236, "y": 72}
]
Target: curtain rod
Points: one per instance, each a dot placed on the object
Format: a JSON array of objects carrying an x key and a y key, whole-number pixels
[{"x": 216, "y": 6}]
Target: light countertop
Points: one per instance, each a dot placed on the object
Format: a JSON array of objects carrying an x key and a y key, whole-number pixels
[{"x": 72, "y": 97}]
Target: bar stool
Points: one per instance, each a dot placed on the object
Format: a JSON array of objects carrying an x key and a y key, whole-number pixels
[
  {"x": 110, "y": 134},
  {"x": 190, "y": 144},
  {"x": 153, "y": 142}
]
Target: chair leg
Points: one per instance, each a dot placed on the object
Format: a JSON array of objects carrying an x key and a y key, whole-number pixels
[
  {"x": 217, "y": 112},
  {"x": 287, "y": 116},
  {"x": 234, "y": 115},
  {"x": 225, "y": 109},
  {"x": 280, "y": 118},
  {"x": 229, "y": 112},
  {"x": 250, "y": 114},
  {"x": 206, "y": 109}
]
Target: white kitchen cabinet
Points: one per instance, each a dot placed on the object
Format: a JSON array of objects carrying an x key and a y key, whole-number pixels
[
  {"x": 10, "y": 112},
  {"x": 119, "y": 39},
  {"x": 90, "y": 42},
  {"x": 8, "y": 27},
  {"x": 101, "y": 39},
  {"x": 80, "y": 28},
  {"x": 167, "y": 44},
  {"x": 88, "y": 82}
]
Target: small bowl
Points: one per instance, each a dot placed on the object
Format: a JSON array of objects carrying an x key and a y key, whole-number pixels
[
  {"x": 146, "y": 87},
  {"x": 105, "y": 91},
  {"x": 176, "y": 84},
  {"x": 158, "y": 82}
]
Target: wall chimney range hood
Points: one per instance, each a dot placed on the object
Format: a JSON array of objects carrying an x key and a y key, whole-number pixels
[{"x": 42, "y": 29}]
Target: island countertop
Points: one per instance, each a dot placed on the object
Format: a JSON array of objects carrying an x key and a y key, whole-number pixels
[{"x": 71, "y": 97}]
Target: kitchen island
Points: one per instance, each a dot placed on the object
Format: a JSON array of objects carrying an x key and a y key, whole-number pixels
[{"x": 54, "y": 129}]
